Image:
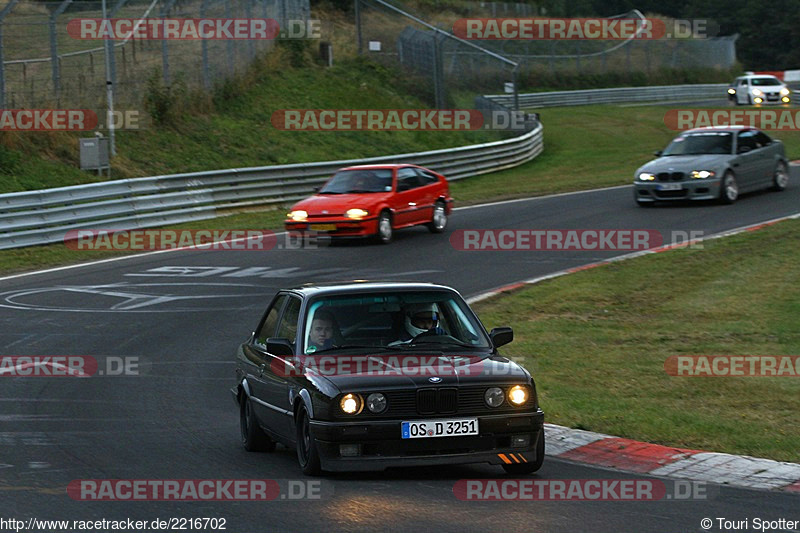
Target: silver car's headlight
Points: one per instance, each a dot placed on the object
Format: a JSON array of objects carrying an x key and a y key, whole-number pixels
[
  {"x": 785, "y": 92},
  {"x": 758, "y": 92},
  {"x": 703, "y": 174},
  {"x": 646, "y": 176}
]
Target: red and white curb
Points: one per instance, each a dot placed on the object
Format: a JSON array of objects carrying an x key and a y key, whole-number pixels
[
  {"x": 655, "y": 459},
  {"x": 645, "y": 458}
]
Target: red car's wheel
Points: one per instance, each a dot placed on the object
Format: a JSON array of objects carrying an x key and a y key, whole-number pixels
[{"x": 438, "y": 222}]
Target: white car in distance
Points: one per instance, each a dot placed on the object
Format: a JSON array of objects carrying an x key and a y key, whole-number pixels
[{"x": 759, "y": 89}]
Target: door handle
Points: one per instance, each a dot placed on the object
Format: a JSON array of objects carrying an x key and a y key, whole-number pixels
[{"x": 261, "y": 369}]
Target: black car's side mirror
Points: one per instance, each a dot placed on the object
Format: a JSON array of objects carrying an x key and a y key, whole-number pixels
[
  {"x": 279, "y": 346},
  {"x": 658, "y": 153},
  {"x": 501, "y": 336},
  {"x": 744, "y": 149}
]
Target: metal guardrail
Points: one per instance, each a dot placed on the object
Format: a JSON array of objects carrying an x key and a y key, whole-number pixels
[
  {"x": 45, "y": 216},
  {"x": 613, "y": 96}
]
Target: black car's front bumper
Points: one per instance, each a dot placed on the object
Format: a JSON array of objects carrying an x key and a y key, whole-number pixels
[{"x": 381, "y": 446}]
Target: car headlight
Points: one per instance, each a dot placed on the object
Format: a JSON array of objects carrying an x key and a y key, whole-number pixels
[
  {"x": 494, "y": 397},
  {"x": 731, "y": 91},
  {"x": 785, "y": 92},
  {"x": 758, "y": 92},
  {"x": 703, "y": 174},
  {"x": 518, "y": 395},
  {"x": 298, "y": 216},
  {"x": 356, "y": 214},
  {"x": 376, "y": 402},
  {"x": 351, "y": 404},
  {"x": 646, "y": 176}
]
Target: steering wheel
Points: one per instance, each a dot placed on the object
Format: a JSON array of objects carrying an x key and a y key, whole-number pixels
[{"x": 430, "y": 334}]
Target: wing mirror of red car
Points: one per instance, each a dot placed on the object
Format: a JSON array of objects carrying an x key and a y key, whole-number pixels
[
  {"x": 279, "y": 346},
  {"x": 501, "y": 336},
  {"x": 316, "y": 189}
]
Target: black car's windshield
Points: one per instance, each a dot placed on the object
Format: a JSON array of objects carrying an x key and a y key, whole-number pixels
[
  {"x": 392, "y": 321},
  {"x": 359, "y": 181},
  {"x": 766, "y": 81},
  {"x": 712, "y": 142}
]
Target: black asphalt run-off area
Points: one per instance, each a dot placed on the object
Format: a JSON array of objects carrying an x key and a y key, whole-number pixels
[{"x": 183, "y": 313}]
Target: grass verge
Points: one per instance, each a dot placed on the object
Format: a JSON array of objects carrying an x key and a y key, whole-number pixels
[{"x": 597, "y": 341}]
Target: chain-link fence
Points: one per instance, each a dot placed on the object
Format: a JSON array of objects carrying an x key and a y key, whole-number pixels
[
  {"x": 43, "y": 65},
  {"x": 442, "y": 62},
  {"x": 447, "y": 64}
]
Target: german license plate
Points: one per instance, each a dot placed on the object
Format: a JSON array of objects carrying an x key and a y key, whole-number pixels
[
  {"x": 446, "y": 427},
  {"x": 323, "y": 227},
  {"x": 669, "y": 187}
]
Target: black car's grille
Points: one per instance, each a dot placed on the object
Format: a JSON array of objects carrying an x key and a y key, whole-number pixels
[
  {"x": 670, "y": 176},
  {"x": 435, "y": 401}
]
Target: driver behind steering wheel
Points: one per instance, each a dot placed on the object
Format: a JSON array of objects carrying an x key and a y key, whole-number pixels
[{"x": 419, "y": 319}]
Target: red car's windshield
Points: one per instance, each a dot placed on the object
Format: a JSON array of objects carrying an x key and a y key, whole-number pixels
[{"x": 359, "y": 181}]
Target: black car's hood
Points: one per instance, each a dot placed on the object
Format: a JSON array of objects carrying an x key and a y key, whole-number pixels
[{"x": 389, "y": 371}]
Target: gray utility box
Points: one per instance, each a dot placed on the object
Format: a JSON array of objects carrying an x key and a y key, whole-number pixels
[{"x": 94, "y": 153}]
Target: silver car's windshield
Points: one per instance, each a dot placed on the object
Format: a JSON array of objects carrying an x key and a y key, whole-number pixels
[
  {"x": 716, "y": 142},
  {"x": 359, "y": 181},
  {"x": 392, "y": 320},
  {"x": 765, "y": 81}
]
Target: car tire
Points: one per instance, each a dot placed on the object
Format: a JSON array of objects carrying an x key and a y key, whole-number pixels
[
  {"x": 528, "y": 468},
  {"x": 385, "y": 231},
  {"x": 253, "y": 437},
  {"x": 438, "y": 221},
  {"x": 780, "y": 179},
  {"x": 729, "y": 189},
  {"x": 307, "y": 452}
]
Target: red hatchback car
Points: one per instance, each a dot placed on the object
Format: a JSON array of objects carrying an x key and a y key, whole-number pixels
[{"x": 375, "y": 200}]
